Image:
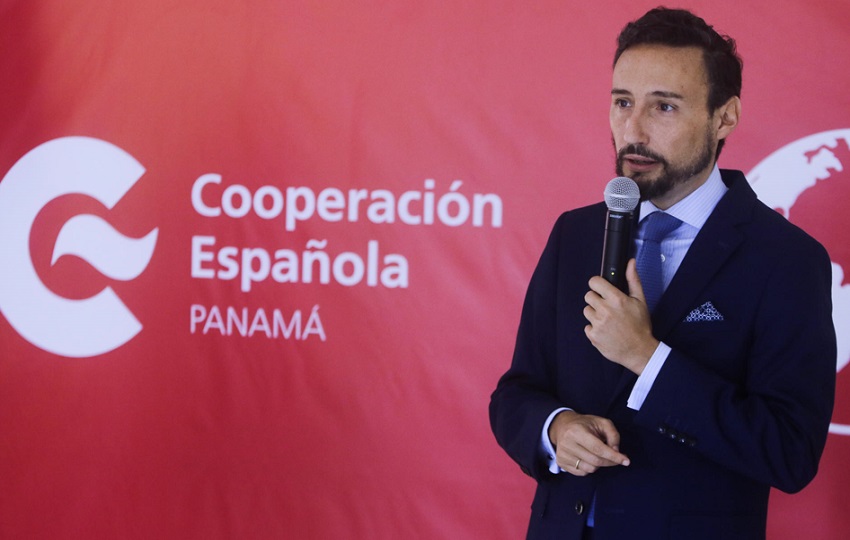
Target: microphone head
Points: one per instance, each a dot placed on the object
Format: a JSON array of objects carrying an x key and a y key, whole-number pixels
[{"x": 622, "y": 194}]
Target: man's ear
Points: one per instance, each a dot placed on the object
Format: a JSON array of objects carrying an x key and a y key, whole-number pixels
[{"x": 727, "y": 117}]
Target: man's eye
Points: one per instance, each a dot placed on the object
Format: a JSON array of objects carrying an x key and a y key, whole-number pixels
[
  {"x": 666, "y": 107},
  {"x": 621, "y": 103}
]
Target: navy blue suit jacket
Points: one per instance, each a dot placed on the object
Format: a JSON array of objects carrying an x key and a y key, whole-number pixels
[{"x": 742, "y": 403}]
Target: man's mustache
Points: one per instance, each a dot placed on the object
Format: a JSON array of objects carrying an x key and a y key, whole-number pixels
[{"x": 640, "y": 150}]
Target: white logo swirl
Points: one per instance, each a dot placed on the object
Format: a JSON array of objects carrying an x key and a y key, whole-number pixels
[{"x": 65, "y": 327}]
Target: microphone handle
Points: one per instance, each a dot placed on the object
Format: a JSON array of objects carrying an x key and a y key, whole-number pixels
[{"x": 615, "y": 250}]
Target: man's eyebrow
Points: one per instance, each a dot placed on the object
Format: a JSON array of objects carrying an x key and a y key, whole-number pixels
[
  {"x": 668, "y": 95},
  {"x": 657, "y": 93}
]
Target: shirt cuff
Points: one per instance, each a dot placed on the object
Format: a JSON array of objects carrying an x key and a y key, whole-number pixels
[
  {"x": 647, "y": 377},
  {"x": 546, "y": 447}
]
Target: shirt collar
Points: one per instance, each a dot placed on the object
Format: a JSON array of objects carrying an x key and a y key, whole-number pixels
[{"x": 697, "y": 206}]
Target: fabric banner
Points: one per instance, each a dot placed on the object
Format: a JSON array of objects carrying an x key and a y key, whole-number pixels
[{"x": 262, "y": 263}]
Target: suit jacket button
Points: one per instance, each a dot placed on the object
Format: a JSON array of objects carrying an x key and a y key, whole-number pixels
[
  {"x": 662, "y": 430},
  {"x": 579, "y": 508}
]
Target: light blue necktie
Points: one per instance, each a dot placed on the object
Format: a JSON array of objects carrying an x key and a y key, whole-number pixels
[{"x": 658, "y": 226}]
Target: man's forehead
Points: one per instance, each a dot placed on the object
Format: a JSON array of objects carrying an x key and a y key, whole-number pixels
[
  {"x": 660, "y": 70},
  {"x": 661, "y": 50}
]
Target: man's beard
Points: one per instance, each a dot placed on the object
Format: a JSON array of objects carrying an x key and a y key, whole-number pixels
[{"x": 670, "y": 176}]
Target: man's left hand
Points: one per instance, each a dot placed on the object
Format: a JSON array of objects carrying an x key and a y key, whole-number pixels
[{"x": 620, "y": 327}]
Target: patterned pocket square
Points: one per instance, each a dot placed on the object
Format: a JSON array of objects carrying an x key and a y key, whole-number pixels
[{"x": 705, "y": 313}]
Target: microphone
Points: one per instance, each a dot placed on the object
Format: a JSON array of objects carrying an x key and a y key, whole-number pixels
[{"x": 621, "y": 197}]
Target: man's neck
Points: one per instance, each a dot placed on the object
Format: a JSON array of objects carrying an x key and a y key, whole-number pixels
[{"x": 682, "y": 190}]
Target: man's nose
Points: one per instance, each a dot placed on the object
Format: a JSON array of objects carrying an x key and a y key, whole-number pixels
[{"x": 635, "y": 129}]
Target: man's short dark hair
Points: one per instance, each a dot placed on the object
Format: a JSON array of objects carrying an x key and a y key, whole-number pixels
[{"x": 681, "y": 28}]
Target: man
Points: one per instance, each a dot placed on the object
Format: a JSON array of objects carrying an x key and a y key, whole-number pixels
[{"x": 674, "y": 423}]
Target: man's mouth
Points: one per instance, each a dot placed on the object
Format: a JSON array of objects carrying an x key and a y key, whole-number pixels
[{"x": 639, "y": 163}]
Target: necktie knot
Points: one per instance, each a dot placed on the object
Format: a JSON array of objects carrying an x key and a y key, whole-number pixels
[{"x": 659, "y": 225}]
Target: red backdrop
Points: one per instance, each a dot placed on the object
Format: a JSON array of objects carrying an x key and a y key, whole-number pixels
[{"x": 322, "y": 217}]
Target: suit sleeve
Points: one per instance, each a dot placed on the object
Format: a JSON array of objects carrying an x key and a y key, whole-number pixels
[
  {"x": 772, "y": 425},
  {"x": 525, "y": 396}
]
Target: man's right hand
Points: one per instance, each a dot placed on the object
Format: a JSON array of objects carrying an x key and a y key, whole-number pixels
[{"x": 584, "y": 443}]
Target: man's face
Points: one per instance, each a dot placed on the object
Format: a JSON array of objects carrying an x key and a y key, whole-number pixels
[{"x": 663, "y": 132}]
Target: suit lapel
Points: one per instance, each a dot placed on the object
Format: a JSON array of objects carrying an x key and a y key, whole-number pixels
[{"x": 718, "y": 239}]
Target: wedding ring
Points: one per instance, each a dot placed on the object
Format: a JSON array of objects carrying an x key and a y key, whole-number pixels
[{"x": 578, "y": 462}]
